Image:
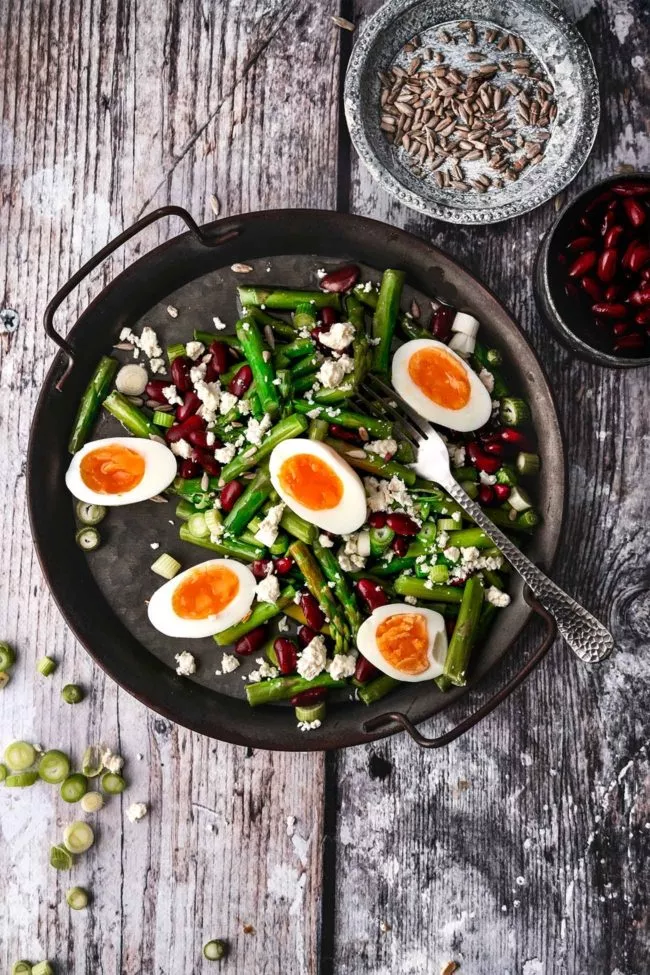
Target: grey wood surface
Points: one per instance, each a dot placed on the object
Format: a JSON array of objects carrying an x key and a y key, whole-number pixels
[{"x": 521, "y": 848}]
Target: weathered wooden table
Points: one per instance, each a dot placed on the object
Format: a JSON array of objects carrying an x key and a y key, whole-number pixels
[{"x": 521, "y": 847}]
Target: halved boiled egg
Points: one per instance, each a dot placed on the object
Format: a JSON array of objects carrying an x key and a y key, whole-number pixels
[
  {"x": 203, "y": 600},
  {"x": 120, "y": 470},
  {"x": 440, "y": 386},
  {"x": 317, "y": 484},
  {"x": 405, "y": 642}
]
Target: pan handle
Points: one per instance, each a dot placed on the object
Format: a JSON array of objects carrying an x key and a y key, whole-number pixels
[
  {"x": 96, "y": 259},
  {"x": 398, "y": 718}
]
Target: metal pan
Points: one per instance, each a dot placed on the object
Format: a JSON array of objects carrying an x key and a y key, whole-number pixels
[{"x": 102, "y": 596}]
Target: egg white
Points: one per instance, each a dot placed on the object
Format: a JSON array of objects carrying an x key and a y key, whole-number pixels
[
  {"x": 159, "y": 472},
  {"x": 436, "y": 649},
  {"x": 345, "y": 517},
  {"x": 163, "y": 617},
  {"x": 472, "y": 416}
]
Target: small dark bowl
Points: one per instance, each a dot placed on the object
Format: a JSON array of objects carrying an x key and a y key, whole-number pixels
[{"x": 573, "y": 325}]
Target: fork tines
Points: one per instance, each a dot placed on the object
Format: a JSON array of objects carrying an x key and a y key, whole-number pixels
[{"x": 382, "y": 397}]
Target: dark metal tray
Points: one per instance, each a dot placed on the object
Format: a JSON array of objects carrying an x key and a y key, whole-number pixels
[{"x": 102, "y": 597}]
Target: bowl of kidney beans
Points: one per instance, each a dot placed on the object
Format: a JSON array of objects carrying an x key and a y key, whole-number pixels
[{"x": 592, "y": 275}]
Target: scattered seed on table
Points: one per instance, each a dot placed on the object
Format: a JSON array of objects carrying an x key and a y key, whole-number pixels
[{"x": 343, "y": 23}]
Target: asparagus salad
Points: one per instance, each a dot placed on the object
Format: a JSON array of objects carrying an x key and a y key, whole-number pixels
[{"x": 328, "y": 557}]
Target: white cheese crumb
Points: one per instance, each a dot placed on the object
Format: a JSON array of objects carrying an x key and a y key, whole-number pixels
[
  {"x": 312, "y": 660},
  {"x": 283, "y": 624},
  {"x": 197, "y": 373},
  {"x": 227, "y": 402},
  {"x": 218, "y": 324},
  {"x": 338, "y": 337},
  {"x": 342, "y": 666},
  {"x": 136, "y": 812},
  {"x": 171, "y": 395},
  {"x": 452, "y": 553},
  {"x": 194, "y": 350},
  {"x": 496, "y": 597},
  {"x": 314, "y": 414},
  {"x": 209, "y": 394},
  {"x": 268, "y": 589},
  {"x": 331, "y": 372},
  {"x": 265, "y": 669},
  {"x": 155, "y": 546},
  {"x": 225, "y": 454},
  {"x": 149, "y": 343},
  {"x": 244, "y": 407},
  {"x": 411, "y": 600},
  {"x": 186, "y": 664},
  {"x": 456, "y": 454},
  {"x": 267, "y": 533},
  {"x": 257, "y": 428},
  {"x": 325, "y": 541},
  {"x": 229, "y": 663},
  {"x": 157, "y": 366},
  {"x": 470, "y": 554},
  {"x": 172, "y": 311},
  {"x": 181, "y": 448},
  {"x": 309, "y": 725},
  {"x": 487, "y": 379},
  {"x": 385, "y": 448},
  {"x": 210, "y": 438},
  {"x": 487, "y": 478},
  {"x": 111, "y": 761},
  {"x": 320, "y": 273},
  {"x": 128, "y": 335}
]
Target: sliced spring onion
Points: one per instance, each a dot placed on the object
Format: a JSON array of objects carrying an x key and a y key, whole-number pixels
[
  {"x": 519, "y": 499},
  {"x": 74, "y": 787},
  {"x": 514, "y": 411},
  {"x": 529, "y": 519},
  {"x": 20, "y": 755},
  {"x": 174, "y": 352},
  {"x": 46, "y": 666},
  {"x": 60, "y": 858},
  {"x": 214, "y": 950},
  {"x": 163, "y": 419},
  {"x": 526, "y": 463},
  {"x": 380, "y": 539},
  {"x": 312, "y": 712},
  {"x": 3, "y": 772},
  {"x": 92, "y": 802},
  {"x": 213, "y": 520},
  {"x": 197, "y": 526},
  {"x": 88, "y": 539},
  {"x": 78, "y": 837},
  {"x": 90, "y": 514},
  {"x": 184, "y": 509},
  {"x": 7, "y": 656},
  {"x": 493, "y": 357},
  {"x": 166, "y": 566},
  {"x": 43, "y": 968},
  {"x": 112, "y": 784},
  {"x": 280, "y": 545},
  {"x": 77, "y": 898},
  {"x": 439, "y": 574},
  {"x": 21, "y": 968},
  {"x": 507, "y": 475},
  {"x": 132, "y": 380},
  {"x": 91, "y": 763},
  {"x": 447, "y": 525},
  {"x": 5, "y": 677},
  {"x": 72, "y": 694},
  {"x": 20, "y": 780},
  {"x": 54, "y": 767}
]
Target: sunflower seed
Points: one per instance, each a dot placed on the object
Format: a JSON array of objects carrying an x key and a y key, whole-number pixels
[
  {"x": 126, "y": 346},
  {"x": 444, "y": 37},
  {"x": 343, "y": 23},
  {"x": 241, "y": 268},
  {"x": 491, "y": 35},
  {"x": 465, "y": 24},
  {"x": 214, "y": 203},
  {"x": 475, "y": 56},
  {"x": 459, "y": 185},
  {"x": 158, "y": 498},
  {"x": 487, "y": 69},
  {"x": 415, "y": 309},
  {"x": 512, "y": 43}
]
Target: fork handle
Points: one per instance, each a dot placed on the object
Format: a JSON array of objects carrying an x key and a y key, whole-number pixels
[{"x": 588, "y": 638}]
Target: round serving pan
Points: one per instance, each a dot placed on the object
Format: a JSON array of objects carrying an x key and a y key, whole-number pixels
[{"x": 102, "y": 596}]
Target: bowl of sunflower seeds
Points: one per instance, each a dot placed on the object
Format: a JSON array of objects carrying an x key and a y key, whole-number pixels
[{"x": 472, "y": 112}]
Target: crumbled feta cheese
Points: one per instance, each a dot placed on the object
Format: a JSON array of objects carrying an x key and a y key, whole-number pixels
[
  {"x": 469, "y": 554},
  {"x": 244, "y": 407},
  {"x": 218, "y": 324},
  {"x": 257, "y": 428},
  {"x": 351, "y": 562},
  {"x": 157, "y": 366},
  {"x": 338, "y": 336},
  {"x": 155, "y": 546},
  {"x": 332, "y": 372},
  {"x": 264, "y": 669},
  {"x": 228, "y": 401},
  {"x": 210, "y": 438},
  {"x": 266, "y": 355},
  {"x": 456, "y": 516},
  {"x": 149, "y": 343},
  {"x": 111, "y": 761},
  {"x": 309, "y": 725},
  {"x": 225, "y": 454},
  {"x": 181, "y": 448},
  {"x": 186, "y": 664},
  {"x": 267, "y": 533},
  {"x": 194, "y": 350},
  {"x": 312, "y": 660},
  {"x": 441, "y": 539},
  {"x": 268, "y": 589},
  {"x": 487, "y": 478},
  {"x": 385, "y": 448},
  {"x": 314, "y": 414},
  {"x": 357, "y": 544},
  {"x": 367, "y": 287},
  {"x": 172, "y": 311},
  {"x": 411, "y": 600},
  {"x": 136, "y": 812},
  {"x": 209, "y": 394},
  {"x": 171, "y": 395},
  {"x": 325, "y": 541},
  {"x": 487, "y": 379},
  {"x": 128, "y": 335},
  {"x": 229, "y": 663},
  {"x": 283, "y": 624},
  {"x": 342, "y": 666},
  {"x": 320, "y": 273},
  {"x": 197, "y": 373},
  {"x": 496, "y": 597},
  {"x": 452, "y": 554},
  {"x": 456, "y": 454},
  {"x": 383, "y": 494}
]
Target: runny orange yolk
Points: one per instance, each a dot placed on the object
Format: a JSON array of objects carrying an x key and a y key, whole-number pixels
[
  {"x": 311, "y": 482},
  {"x": 205, "y": 592},
  {"x": 113, "y": 469},
  {"x": 440, "y": 377},
  {"x": 403, "y": 642}
]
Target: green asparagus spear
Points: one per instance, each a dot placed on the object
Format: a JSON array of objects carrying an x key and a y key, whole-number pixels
[
  {"x": 281, "y": 328},
  {"x": 229, "y": 547},
  {"x": 380, "y": 429},
  {"x": 375, "y": 689},
  {"x": 249, "y": 503},
  {"x": 209, "y": 337},
  {"x": 464, "y": 635},
  {"x": 318, "y": 429},
  {"x": 131, "y": 417},
  {"x": 291, "y": 426},
  {"x": 286, "y": 299},
  {"x": 261, "y": 613},
  {"x": 346, "y": 597},
  {"x": 385, "y": 317},
  {"x": 304, "y": 317},
  {"x": 263, "y": 372},
  {"x": 284, "y": 688},
  {"x": 93, "y": 397},
  {"x": 322, "y": 593},
  {"x": 285, "y": 354},
  {"x": 405, "y": 323},
  {"x": 467, "y": 537},
  {"x": 298, "y": 527},
  {"x": 411, "y": 586},
  {"x": 371, "y": 463}
]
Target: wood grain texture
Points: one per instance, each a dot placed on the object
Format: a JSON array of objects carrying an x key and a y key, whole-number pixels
[
  {"x": 107, "y": 111},
  {"x": 523, "y": 847}
]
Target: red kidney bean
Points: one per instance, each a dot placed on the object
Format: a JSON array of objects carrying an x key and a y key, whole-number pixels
[
  {"x": 609, "y": 220},
  {"x": 402, "y": 524},
  {"x": 188, "y": 469},
  {"x": 485, "y": 494},
  {"x": 640, "y": 297},
  {"x": 283, "y": 565},
  {"x": 639, "y": 258},
  {"x": 598, "y": 201},
  {"x": 501, "y": 492},
  {"x": 371, "y": 593},
  {"x": 580, "y": 244},
  {"x": 306, "y": 635},
  {"x": 495, "y": 448},
  {"x": 377, "y": 519},
  {"x": 328, "y": 316},
  {"x": 620, "y": 328},
  {"x": 219, "y": 357},
  {"x": 631, "y": 188},
  {"x": 207, "y": 462},
  {"x": 609, "y": 309},
  {"x": 570, "y": 289},
  {"x": 199, "y": 438},
  {"x": 260, "y": 568},
  {"x": 441, "y": 322},
  {"x": 627, "y": 256},
  {"x": 342, "y": 279},
  {"x": 400, "y": 545},
  {"x": 612, "y": 293},
  {"x": 364, "y": 670},
  {"x": 251, "y": 642},
  {"x": 591, "y": 286},
  {"x": 643, "y": 317},
  {"x": 287, "y": 653},
  {"x": 241, "y": 381},
  {"x": 312, "y": 612},
  {"x": 189, "y": 406},
  {"x": 583, "y": 264},
  {"x": 311, "y": 696},
  {"x": 342, "y": 433},
  {"x": 515, "y": 438},
  {"x": 481, "y": 460},
  {"x": 180, "y": 371},
  {"x": 585, "y": 223},
  {"x": 229, "y": 494},
  {"x": 635, "y": 212},
  {"x": 180, "y": 431},
  {"x": 629, "y": 343},
  {"x": 607, "y": 265},
  {"x": 154, "y": 390},
  {"x": 613, "y": 236}
]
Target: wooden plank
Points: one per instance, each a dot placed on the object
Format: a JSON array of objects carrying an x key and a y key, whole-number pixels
[
  {"x": 107, "y": 112},
  {"x": 523, "y": 847}
]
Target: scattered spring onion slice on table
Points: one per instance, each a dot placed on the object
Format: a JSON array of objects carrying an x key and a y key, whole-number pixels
[
  {"x": 20, "y": 780},
  {"x": 7, "y": 656},
  {"x": 90, "y": 514},
  {"x": 214, "y": 950},
  {"x": 72, "y": 694},
  {"x": 54, "y": 767},
  {"x": 78, "y": 837},
  {"x": 21, "y": 968},
  {"x": 19, "y": 755},
  {"x": 60, "y": 858},
  {"x": 92, "y": 802},
  {"x": 91, "y": 763},
  {"x": 166, "y": 566},
  {"x": 74, "y": 787},
  {"x": 77, "y": 898},
  {"x": 46, "y": 666},
  {"x": 112, "y": 784}
]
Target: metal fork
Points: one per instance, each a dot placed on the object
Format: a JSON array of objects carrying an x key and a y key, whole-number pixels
[{"x": 588, "y": 638}]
